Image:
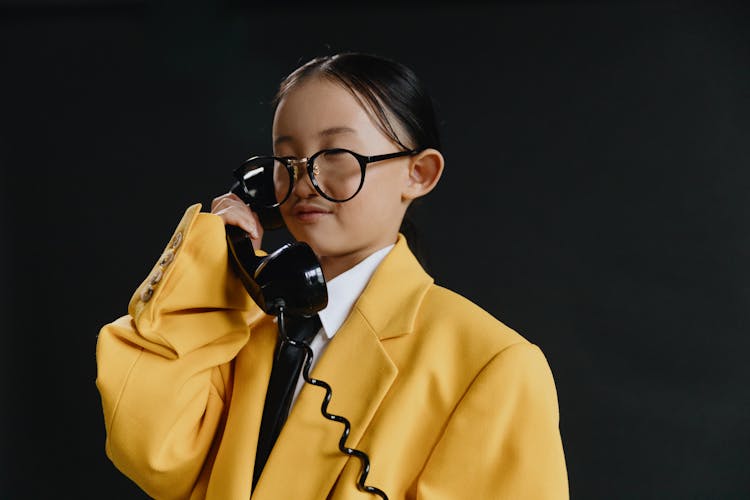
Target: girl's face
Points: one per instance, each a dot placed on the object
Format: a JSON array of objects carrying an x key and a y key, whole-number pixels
[{"x": 320, "y": 114}]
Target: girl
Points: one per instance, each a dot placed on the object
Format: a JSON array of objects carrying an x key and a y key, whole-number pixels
[{"x": 446, "y": 401}]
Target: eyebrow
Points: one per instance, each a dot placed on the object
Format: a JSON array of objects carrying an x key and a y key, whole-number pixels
[{"x": 323, "y": 133}]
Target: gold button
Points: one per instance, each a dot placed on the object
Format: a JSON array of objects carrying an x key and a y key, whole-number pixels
[
  {"x": 167, "y": 258},
  {"x": 177, "y": 240},
  {"x": 156, "y": 277},
  {"x": 147, "y": 294}
]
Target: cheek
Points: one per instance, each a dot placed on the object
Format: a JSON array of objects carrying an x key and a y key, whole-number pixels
[
  {"x": 383, "y": 192},
  {"x": 377, "y": 202},
  {"x": 285, "y": 209}
]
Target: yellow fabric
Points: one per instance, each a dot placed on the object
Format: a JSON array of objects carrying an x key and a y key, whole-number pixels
[{"x": 448, "y": 402}]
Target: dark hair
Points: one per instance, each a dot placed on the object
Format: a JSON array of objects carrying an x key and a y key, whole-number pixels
[{"x": 388, "y": 90}]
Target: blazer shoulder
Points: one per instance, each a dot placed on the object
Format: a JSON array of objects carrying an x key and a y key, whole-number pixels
[
  {"x": 466, "y": 322},
  {"x": 453, "y": 342}
]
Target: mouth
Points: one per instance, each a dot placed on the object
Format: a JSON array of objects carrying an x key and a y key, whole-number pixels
[{"x": 309, "y": 213}]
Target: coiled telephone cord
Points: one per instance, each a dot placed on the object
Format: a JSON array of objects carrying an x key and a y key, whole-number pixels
[{"x": 352, "y": 452}]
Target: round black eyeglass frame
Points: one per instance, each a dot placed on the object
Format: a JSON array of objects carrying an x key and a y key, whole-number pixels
[{"x": 290, "y": 163}]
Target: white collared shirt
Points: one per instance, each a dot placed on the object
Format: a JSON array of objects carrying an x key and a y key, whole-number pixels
[{"x": 343, "y": 292}]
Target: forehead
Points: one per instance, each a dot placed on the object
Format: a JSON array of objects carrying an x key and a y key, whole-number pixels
[{"x": 318, "y": 104}]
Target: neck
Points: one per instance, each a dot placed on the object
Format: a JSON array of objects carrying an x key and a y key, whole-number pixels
[{"x": 335, "y": 265}]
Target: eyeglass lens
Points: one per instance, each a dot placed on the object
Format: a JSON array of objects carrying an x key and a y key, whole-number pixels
[{"x": 337, "y": 175}]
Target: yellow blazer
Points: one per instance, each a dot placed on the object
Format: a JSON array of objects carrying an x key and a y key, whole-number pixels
[{"x": 448, "y": 402}]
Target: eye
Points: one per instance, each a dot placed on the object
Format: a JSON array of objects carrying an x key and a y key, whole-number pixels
[{"x": 335, "y": 156}]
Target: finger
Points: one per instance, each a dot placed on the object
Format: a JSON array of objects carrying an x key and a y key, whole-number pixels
[
  {"x": 219, "y": 199},
  {"x": 224, "y": 203},
  {"x": 240, "y": 218},
  {"x": 227, "y": 197},
  {"x": 258, "y": 228},
  {"x": 235, "y": 197}
]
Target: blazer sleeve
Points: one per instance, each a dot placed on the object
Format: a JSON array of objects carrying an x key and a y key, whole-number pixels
[
  {"x": 503, "y": 439},
  {"x": 163, "y": 370}
]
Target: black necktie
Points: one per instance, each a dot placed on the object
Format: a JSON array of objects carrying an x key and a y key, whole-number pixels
[{"x": 287, "y": 366}]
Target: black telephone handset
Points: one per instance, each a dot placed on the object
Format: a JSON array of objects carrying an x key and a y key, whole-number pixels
[
  {"x": 260, "y": 200},
  {"x": 290, "y": 277},
  {"x": 287, "y": 282}
]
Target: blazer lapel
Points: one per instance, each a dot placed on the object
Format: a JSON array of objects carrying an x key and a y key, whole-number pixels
[{"x": 305, "y": 461}]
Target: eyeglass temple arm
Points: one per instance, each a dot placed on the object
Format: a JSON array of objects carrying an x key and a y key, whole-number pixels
[{"x": 388, "y": 156}]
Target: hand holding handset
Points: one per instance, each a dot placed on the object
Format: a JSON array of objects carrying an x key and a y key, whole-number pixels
[
  {"x": 255, "y": 187},
  {"x": 287, "y": 282}
]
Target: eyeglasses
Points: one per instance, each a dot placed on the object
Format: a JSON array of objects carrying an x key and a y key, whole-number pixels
[{"x": 337, "y": 174}]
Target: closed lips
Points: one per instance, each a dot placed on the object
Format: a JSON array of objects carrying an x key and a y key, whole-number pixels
[{"x": 309, "y": 209}]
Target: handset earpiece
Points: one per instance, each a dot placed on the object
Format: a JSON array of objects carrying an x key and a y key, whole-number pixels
[
  {"x": 270, "y": 218},
  {"x": 290, "y": 277}
]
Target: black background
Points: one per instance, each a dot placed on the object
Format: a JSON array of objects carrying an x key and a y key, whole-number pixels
[{"x": 595, "y": 199}]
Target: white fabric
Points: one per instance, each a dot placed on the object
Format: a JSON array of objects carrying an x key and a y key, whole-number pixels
[{"x": 343, "y": 292}]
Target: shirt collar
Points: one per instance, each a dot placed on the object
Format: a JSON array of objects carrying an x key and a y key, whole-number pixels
[{"x": 345, "y": 289}]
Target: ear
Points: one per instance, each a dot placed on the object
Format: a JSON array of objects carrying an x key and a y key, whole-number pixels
[{"x": 425, "y": 170}]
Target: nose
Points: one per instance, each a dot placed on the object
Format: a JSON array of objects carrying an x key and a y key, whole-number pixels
[{"x": 303, "y": 187}]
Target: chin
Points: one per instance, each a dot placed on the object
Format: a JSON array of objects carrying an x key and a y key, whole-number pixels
[
  {"x": 327, "y": 247},
  {"x": 318, "y": 241}
]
